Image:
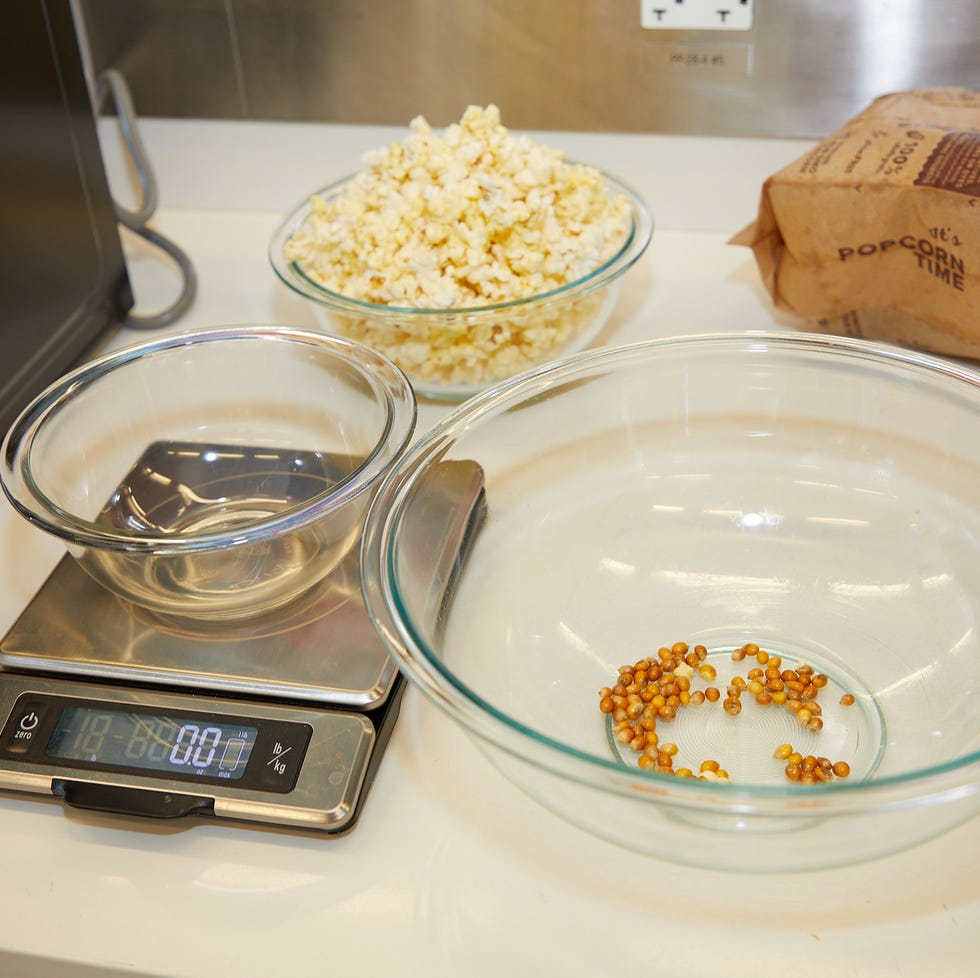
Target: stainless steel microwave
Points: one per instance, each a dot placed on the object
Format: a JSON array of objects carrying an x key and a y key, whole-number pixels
[{"x": 63, "y": 280}]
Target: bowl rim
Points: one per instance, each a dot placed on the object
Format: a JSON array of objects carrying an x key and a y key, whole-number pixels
[
  {"x": 388, "y": 382},
  {"x": 948, "y": 781},
  {"x": 292, "y": 275}
]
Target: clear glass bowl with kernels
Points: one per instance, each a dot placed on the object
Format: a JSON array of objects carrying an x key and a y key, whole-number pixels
[
  {"x": 451, "y": 354},
  {"x": 812, "y": 496},
  {"x": 211, "y": 475}
]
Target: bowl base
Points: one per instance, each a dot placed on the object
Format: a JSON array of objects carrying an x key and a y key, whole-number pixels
[{"x": 744, "y": 744}]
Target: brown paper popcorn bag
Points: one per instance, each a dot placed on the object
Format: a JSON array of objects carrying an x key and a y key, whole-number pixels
[{"x": 876, "y": 231}]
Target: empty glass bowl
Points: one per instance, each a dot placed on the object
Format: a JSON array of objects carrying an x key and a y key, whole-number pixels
[
  {"x": 814, "y": 496},
  {"x": 211, "y": 475},
  {"x": 450, "y": 354}
]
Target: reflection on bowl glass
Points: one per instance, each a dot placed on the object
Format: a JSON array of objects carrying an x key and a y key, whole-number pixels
[
  {"x": 211, "y": 475},
  {"x": 450, "y": 354},
  {"x": 815, "y": 496}
]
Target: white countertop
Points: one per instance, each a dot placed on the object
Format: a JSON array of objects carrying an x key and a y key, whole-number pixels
[{"x": 450, "y": 870}]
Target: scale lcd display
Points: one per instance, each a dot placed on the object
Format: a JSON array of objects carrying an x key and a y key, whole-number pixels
[{"x": 182, "y": 746}]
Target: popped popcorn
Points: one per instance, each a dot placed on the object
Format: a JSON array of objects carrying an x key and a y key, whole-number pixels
[{"x": 476, "y": 217}]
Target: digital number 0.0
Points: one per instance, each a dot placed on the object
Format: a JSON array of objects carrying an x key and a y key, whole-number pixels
[{"x": 195, "y": 746}]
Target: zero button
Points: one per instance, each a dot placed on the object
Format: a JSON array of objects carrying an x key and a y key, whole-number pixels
[{"x": 19, "y": 734}]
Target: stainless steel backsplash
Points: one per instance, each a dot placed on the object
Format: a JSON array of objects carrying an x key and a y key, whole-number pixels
[{"x": 803, "y": 68}]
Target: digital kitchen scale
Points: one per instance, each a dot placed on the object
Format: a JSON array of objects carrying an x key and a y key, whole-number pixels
[{"x": 279, "y": 720}]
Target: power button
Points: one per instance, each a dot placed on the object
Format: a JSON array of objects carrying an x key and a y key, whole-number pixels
[
  {"x": 20, "y": 733},
  {"x": 28, "y": 721}
]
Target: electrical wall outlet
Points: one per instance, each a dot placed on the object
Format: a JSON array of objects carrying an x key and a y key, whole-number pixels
[{"x": 696, "y": 15}]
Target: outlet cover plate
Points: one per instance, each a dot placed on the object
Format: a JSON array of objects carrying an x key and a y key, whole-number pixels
[{"x": 696, "y": 15}]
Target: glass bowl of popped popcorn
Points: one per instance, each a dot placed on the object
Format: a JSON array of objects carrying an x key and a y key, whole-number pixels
[{"x": 465, "y": 257}]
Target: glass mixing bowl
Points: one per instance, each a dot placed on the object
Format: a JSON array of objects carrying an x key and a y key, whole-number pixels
[
  {"x": 814, "y": 496},
  {"x": 450, "y": 354},
  {"x": 211, "y": 475}
]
